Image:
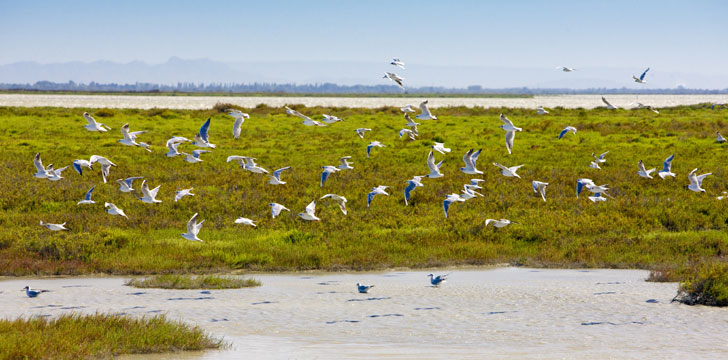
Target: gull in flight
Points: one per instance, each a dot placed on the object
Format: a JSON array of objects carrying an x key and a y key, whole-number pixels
[
  {"x": 581, "y": 184},
  {"x": 425, "y": 112},
  {"x": 125, "y": 185},
  {"x": 510, "y": 131},
  {"x": 79, "y": 164},
  {"x": 565, "y": 69},
  {"x": 696, "y": 181},
  {"x": 330, "y": 119},
  {"x": 608, "y": 105},
  {"x": 597, "y": 197},
  {"x": 437, "y": 280},
  {"x": 42, "y": 173},
  {"x": 397, "y": 62},
  {"x": 394, "y": 77},
  {"x": 363, "y": 289},
  {"x": 641, "y": 79},
  {"x": 601, "y": 158},
  {"x": 182, "y": 193},
  {"x": 245, "y": 221},
  {"x": 345, "y": 164},
  {"x": 361, "y": 131},
  {"x": 113, "y": 210},
  {"x": 470, "y": 159},
  {"x": 594, "y": 165},
  {"x": 539, "y": 187},
  {"x": 373, "y": 144},
  {"x": 32, "y": 293},
  {"x": 408, "y": 109},
  {"x": 55, "y": 174},
  {"x": 53, "y": 227},
  {"x": 239, "y": 119},
  {"x": 566, "y": 130},
  {"x": 379, "y": 190},
  {"x": 475, "y": 183},
  {"x": 195, "y": 157},
  {"x": 468, "y": 192},
  {"x": 93, "y": 125},
  {"x": 193, "y": 228},
  {"x": 667, "y": 168},
  {"x": 449, "y": 200},
  {"x": 130, "y": 138},
  {"x": 410, "y": 122},
  {"x": 499, "y": 223},
  {"x": 434, "y": 168},
  {"x": 276, "y": 209},
  {"x": 172, "y": 144},
  {"x": 247, "y": 163},
  {"x": 719, "y": 138},
  {"x": 306, "y": 120},
  {"x": 411, "y": 185},
  {"x": 541, "y": 111},
  {"x": 202, "y": 139},
  {"x": 149, "y": 195},
  {"x": 643, "y": 172},
  {"x": 87, "y": 198},
  {"x": 508, "y": 171},
  {"x": 308, "y": 214},
  {"x": 339, "y": 199},
  {"x": 106, "y": 165},
  {"x": 275, "y": 179},
  {"x": 411, "y": 134},
  {"x": 328, "y": 169},
  {"x": 648, "y": 107},
  {"x": 440, "y": 147}
]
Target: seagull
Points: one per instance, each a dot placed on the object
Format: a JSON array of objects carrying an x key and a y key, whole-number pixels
[
  {"x": 541, "y": 111},
  {"x": 308, "y": 214},
  {"x": 468, "y": 192},
  {"x": 440, "y": 147},
  {"x": 172, "y": 144},
  {"x": 470, "y": 158},
  {"x": 566, "y": 130},
  {"x": 449, "y": 200},
  {"x": 408, "y": 109},
  {"x": 245, "y": 221},
  {"x": 425, "y": 112},
  {"x": 565, "y": 69},
  {"x": 361, "y": 131},
  {"x": 149, "y": 195},
  {"x": 32, "y": 293},
  {"x": 641, "y": 79},
  {"x": 306, "y": 120},
  {"x": 434, "y": 168},
  {"x": 345, "y": 164},
  {"x": 363, "y": 289},
  {"x": 276, "y": 209},
  {"x": 508, "y": 171},
  {"x": 373, "y": 144},
  {"x": 397, "y": 62},
  {"x": 87, "y": 198},
  {"x": 79, "y": 164},
  {"x": 394, "y": 77},
  {"x": 724, "y": 196},
  {"x": 510, "y": 131},
  {"x": 601, "y": 158},
  {"x": 667, "y": 167},
  {"x": 330, "y": 119},
  {"x": 581, "y": 183},
  {"x": 202, "y": 139},
  {"x": 437, "y": 280},
  {"x": 276, "y": 178},
  {"x": 327, "y": 171},
  {"x": 193, "y": 228},
  {"x": 239, "y": 119},
  {"x": 113, "y": 210},
  {"x": 379, "y": 190},
  {"x": 475, "y": 183},
  {"x": 411, "y": 185},
  {"x": 598, "y": 191},
  {"x": 93, "y": 125},
  {"x": 182, "y": 193},
  {"x": 609, "y": 106},
  {"x": 54, "y": 227},
  {"x": 195, "y": 157},
  {"x": 42, "y": 172},
  {"x": 643, "y": 172},
  {"x": 125, "y": 185},
  {"x": 55, "y": 174},
  {"x": 106, "y": 165},
  {"x": 648, "y": 107},
  {"x": 696, "y": 181},
  {"x": 410, "y": 122},
  {"x": 719, "y": 138},
  {"x": 339, "y": 199},
  {"x": 247, "y": 163},
  {"x": 539, "y": 187},
  {"x": 130, "y": 138},
  {"x": 594, "y": 165},
  {"x": 411, "y": 134},
  {"x": 499, "y": 223},
  {"x": 597, "y": 197}
]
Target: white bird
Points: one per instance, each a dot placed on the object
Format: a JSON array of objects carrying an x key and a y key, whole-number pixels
[
  {"x": 33, "y": 293},
  {"x": 581, "y": 184},
  {"x": 395, "y": 78},
  {"x": 468, "y": 192},
  {"x": 648, "y": 107},
  {"x": 182, "y": 193},
  {"x": 87, "y": 198},
  {"x": 499, "y": 223},
  {"x": 411, "y": 185},
  {"x": 79, "y": 164},
  {"x": 93, "y": 125},
  {"x": 601, "y": 158},
  {"x": 397, "y": 62},
  {"x": 641, "y": 79},
  {"x": 361, "y": 131},
  {"x": 565, "y": 69},
  {"x": 247, "y": 163},
  {"x": 53, "y": 227},
  {"x": 306, "y": 120},
  {"x": 373, "y": 144},
  {"x": 723, "y": 196},
  {"x": 328, "y": 169},
  {"x": 195, "y": 157},
  {"x": 308, "y": 214},
  {"x": 379, "y": 190},
  {"x": 541, "y": 111},
  {"x": 440, "y": 147},
  {"x": 113, "y": 210},
  {"x": 448, "y": 201},
  {"x": 125, "y": 185},
  {"x": 411, "y": 134},
  {"x": 202, "y": 139},
  {"x": 106, "y": 165},
  {"x": 566, "y": 130},
  {"x": 409, "y": 108},
  {"x": 597, "y": 197},
  {"x": 345, "y": 164},
  {"x": 667, "y": 168},
  {"x": 719, "y": 138},
  {"x": 476, "y": 183},
  {"x": 696, "y": 181},
  {"x": 425, "y": 113},
  {"x": 643, "y": 172},
  {"x": 508, "y": 171},
  {"x": 410, "y": 123},
  {"x": 239, "y": 117},
  {"x": 55, "y": 174},
  {"x": 149, "y": 195},
  {"x": 330, "y": 119},
  {"x": 193, "y": 229},
  {"x": 594, "y": 165},
  {"x": 130, "y": 138},
  {"x": 276, "y": 209},
  {"x": 608, "y": 105},
  {"x": 172, "y": 144},
  {"x": 245, "y": 221},
  {"x": 339, "y": 199},
  {"x": 42, "y": 172},
  {"x": 275, "y": 179},
  {"x": 434, "y": 168},
  {"x": 437, "y": 280},
  {"x": 470, "y": 159},
  {"x": 510, "y": 132},
  {"x": 363, "y": 289},
  {"x": 539, "y": 187}
]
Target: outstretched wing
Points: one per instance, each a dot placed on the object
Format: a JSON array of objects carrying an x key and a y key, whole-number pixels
[
  {"x": 204, "y": 130},
  {"x": 642, "y": 77},
  {"x": 89, "y": 193},
  {"x": 667, "y": 165}
]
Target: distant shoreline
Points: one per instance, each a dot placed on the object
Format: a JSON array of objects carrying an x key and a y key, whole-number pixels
[{"x": 265, "y": 94}]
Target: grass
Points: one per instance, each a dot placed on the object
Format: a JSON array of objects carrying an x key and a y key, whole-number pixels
[
  {"x": 97, "y": 336},
  {"x": 707, "y": 284},
  {"x": 177, "y": 281},
  {"x": 649, "y": 224}
]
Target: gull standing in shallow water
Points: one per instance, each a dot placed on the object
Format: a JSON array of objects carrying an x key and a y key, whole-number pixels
[
  {"x": 87, "y": 198},
  {"x": 510, "y": 132},
  {"x": 309, "y": 212},
  {"x": 437, "y": 280},
  {"x": 644, "y": 172},
  {"x": 425, "y": 112},
  {"x": 275, "y": 179},
  {"x": 149, "y": 195},
  {"x": 182, "y": 193},
  {"x": 125, "y": 185},
  {"x": 276, "y": 208},
  {"x": 667, "y": 168},
  {"x": 93, "y": 125},
  {"x": 202, "y": 139},
  {"x": 53, "y": 227},
  {"x": 130, "y": 138},
  {"x": 339, "y": 199},
  {"x": 411, "y": 185},
  {"x": 373, "y": 144},
  {"x": 239, "y": 119},
  {"x": 696, "y": 181},
  {"x": 539, "y": 187},
  {"x": 193, "y": 228},
  {"x": 363, "y": 289},
  {"x": 32, "y": 293},
  {"x": 113, "y": 210},
  {"x": 448, "y": 201},
  {"x": 379, "y": 190}
]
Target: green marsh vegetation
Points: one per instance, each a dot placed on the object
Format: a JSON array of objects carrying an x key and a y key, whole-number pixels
[{"x": 186, "y": 281}]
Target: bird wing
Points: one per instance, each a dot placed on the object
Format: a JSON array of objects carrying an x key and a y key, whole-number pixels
[
  {"x": 500, "y": 166},
  {"x": 642, "y": 77},
  {"x": 130, "y": 180},
  {"x": 90, "y": 119},
  {"x": 311, "y": 208},
  {"x": 431, "y": 162},
  {"x": 563, "y": 132},
  {"x": 468, "y": 159},
  {"x": 38, "y": 163},
  {"x": 606, "y": 102},
  {"x": 509, "y": 140},
  {"x": 278, "y": 172},
  {"x": 344, "y": 161},
  {"x": 145, "y": 190},
  {"x": 601, "y": 157},
  {"x": 191, "y": 224},
  {"x": 411, "y": 186},
  {"x": 237, "y": 126},
  {"x": 474, "y": 157},
  {"x": 446, "y": 206},
  {"x": 506, "y": 120},
  {"x": 77, "y": 167},
  {"x": 125, "y": 132},
  {"x": 667, "y": 165},
  {"x": 701, "y": 177},
  {"x": 89, "y": 193},
  {"x": 324, "y": 176},
  {"x": 204, "y": 130},
  {"x": 641, "y": 166},
  {"x": 370, "y": 197},
  {"x": 425, "y": 110}
]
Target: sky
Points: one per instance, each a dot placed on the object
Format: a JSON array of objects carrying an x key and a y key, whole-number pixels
[{"x": 672, "y": 36}]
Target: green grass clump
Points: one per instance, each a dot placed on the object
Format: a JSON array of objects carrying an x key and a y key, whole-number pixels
[
  {"x": 176, "y": 281},
  {"x": 707, "y": 285},
  {"x": 97, "y": 336}
]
